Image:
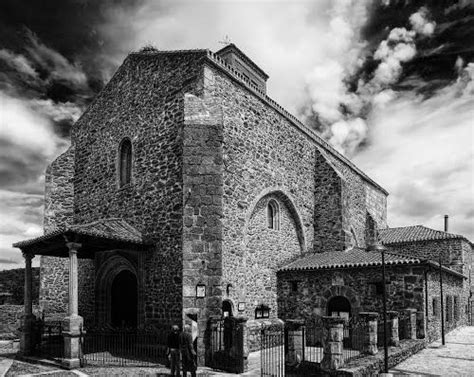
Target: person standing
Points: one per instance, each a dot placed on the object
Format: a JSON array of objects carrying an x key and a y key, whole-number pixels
[
  {"x": 188, "y": 354},
  {"x": 173, "y": 351}
]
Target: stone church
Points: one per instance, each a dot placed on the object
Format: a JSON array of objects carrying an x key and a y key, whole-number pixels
[{"x": 188, "y": 193}]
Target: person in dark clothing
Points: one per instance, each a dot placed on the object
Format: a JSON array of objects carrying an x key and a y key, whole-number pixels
[
  {"x": 173, "y": 351},
  {"x": 188, "y": 354}
]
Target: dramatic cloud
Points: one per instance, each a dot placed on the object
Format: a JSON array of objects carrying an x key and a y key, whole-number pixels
[
  {"x": 382, "y": 82},
  {"x": 422, "y": 151}
]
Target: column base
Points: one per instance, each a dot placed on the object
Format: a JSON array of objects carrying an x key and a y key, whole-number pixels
[
  {"x": 27, "y": 335},
  {"x": 71, "y": 332},
  {"x": 71, "y": 363}
]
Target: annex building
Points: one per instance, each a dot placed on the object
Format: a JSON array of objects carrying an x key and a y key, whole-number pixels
[{"x": 188, "y": 193}]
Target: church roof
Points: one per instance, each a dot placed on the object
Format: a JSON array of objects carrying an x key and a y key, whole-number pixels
[
  {"x": 111, "y": 229},
  {"x": 354, "y": 257},
  {"x": 415, "y": 233}
]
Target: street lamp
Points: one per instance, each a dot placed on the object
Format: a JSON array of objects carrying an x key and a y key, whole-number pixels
[{"x": 378, "y": 247}]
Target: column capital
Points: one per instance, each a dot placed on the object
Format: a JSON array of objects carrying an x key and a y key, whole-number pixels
[
  {"x": 73, "y": 246},
  {"x": 28, "y": 255}
]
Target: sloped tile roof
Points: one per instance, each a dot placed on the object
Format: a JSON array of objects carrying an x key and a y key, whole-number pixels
[
  {"x": 344, "y": 259},
  {"x": 113, "y": 229},
  {"x": 413, "y": 234}
]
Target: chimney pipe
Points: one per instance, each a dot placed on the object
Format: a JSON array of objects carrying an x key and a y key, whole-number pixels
[{"x": 446, "y": 217}]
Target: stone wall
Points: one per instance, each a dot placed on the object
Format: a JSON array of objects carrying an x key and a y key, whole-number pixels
[
  {"x": 358, "y": 285},
  {"x": 452, "y": 287},
  {"x": 202, "y": 220},
  {"x": 143, "y": 102},
  {"x": 10, "y": 319},
  {"x": 258, "y": 161},
  {"x": 451, "y": 250},
  {"x": 58, "y": 213}
]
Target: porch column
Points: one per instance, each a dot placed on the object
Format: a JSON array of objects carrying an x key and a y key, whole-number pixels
[
  {"x": 26, "y": 340},
  {"x": 72, "y": 324}
]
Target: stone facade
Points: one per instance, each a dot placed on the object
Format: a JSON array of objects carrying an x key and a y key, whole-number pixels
[
  {"x": 209, "y": 152},
  {"x": 358, "y": 285},
  {"x": 415, "y": 287}
]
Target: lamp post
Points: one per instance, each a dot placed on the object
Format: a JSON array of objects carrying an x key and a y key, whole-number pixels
[
  {"x": 441, "y": 299},
  {"x": 378, "y": 247}
]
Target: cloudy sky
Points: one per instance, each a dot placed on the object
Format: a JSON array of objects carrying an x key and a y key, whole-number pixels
[{"x": 388, "y": 83}]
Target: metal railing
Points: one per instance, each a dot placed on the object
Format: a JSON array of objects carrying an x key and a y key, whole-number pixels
[
  {"x": 123, "y": 347},
  {"x": 353, "y": 338}
]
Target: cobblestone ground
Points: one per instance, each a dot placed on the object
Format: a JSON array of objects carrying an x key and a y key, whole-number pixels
[{"x": 454, "y": 359}]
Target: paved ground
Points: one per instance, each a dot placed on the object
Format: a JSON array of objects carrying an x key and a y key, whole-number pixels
[{"x": 454, "y": 359}]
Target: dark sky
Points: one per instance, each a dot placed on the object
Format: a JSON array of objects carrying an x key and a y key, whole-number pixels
[{"x": 56, "y": 55}]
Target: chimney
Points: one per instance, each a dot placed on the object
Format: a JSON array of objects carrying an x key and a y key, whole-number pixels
[{"x": 446, "y": 217}]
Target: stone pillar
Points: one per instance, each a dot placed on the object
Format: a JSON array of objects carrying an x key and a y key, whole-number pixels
[
  {"x": 27, "y": 334},
  {"x": 369, "y": 332},
  {"x": 410, "y": 323},
  {"x": 393, "y": 338},
  {"x": 240, "y": 347},
  {"x": 295, "y": 342},
  {"x": 420, "y": 325},
  {"x": 72, "y": 324},
  {"x": 332, "y": 343}
]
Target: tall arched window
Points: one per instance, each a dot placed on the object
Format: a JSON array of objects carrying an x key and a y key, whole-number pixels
[
  {"x": 125, "y": 162},
  {"x": 273, "y": 215}
]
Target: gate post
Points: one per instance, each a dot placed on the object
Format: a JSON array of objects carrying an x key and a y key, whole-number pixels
[
  {"x": 369, "y": 334},
  {"x": 27, "y": 322},
  {"x": 393, "y": 338},
  {"x": 410, "y": 323},
  {"x": 332, "y": 343},
  {"x": 295, "y": 342},
  {"x": 240, "y": 348}
]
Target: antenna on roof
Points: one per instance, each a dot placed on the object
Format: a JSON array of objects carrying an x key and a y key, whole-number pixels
[{"x": 226, "y": 41}]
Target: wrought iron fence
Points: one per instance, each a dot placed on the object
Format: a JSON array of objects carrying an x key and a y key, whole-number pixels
[
  {"x": 226, "y": 347},
  {"x": 353, "y": 338},
  {"x": 313, "y": 347},
  {"x": 123, "y": 347},
  {"x": 272, "y": 353},
  {"x": 49, "y": 342}
]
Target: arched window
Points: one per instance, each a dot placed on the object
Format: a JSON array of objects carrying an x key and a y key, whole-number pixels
[
  {"x": 273, "y": 215},
  {"x": 125, "y": 162}
]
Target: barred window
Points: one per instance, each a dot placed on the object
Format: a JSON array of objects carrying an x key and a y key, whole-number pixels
[
  {"x": 125, "y": 162},
  {"x": 273, "y": 215}
]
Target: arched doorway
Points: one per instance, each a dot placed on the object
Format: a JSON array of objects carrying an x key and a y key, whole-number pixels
[
  {"x": 123, "y": 304},
  {"x": 226, "y": 308},
  {"x": 339, "y": 306}
]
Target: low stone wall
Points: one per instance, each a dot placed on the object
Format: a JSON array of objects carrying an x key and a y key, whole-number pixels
[
  {"x": 10, "y": 320},
  {"x": 372, "y": 365},
  {"x": 255, "y": 327}
]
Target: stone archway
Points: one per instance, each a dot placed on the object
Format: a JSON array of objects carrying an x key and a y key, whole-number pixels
[
  {"x": 116, "y": 272},
  {"x": 341, "y": 291},
  {"x": 339, "y": 306}
]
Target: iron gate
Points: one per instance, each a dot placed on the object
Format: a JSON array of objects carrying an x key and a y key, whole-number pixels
[
  {"x": 226, "y": 346},
  {"x": 272, "y": 351}
]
